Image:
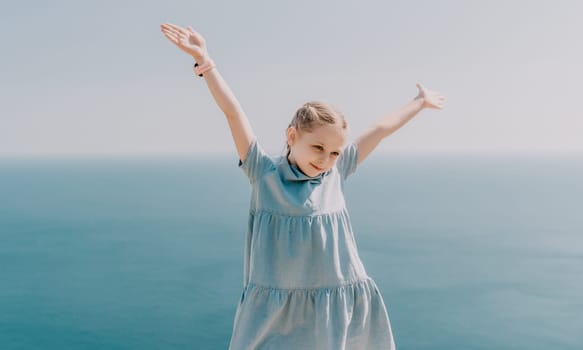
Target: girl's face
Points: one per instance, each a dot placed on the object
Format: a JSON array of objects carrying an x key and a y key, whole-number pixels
[{"x": 315, "y": 152}]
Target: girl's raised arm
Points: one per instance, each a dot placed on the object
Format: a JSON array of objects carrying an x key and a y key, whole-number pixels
[
  {"x": 194, "y": 44},
  {"x": 368, "y": 141}
]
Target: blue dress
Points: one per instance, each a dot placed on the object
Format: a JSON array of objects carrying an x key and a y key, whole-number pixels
[{"x": 304, "y": 285}]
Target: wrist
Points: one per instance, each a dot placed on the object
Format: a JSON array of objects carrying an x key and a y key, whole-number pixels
[
  {"x": 419, "y": 102},
  {"x": 200, "y": 69},
  {"x": 202, "y": 59}
]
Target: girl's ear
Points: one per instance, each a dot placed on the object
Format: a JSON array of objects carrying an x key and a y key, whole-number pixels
[{"x": 291, "y": 135}]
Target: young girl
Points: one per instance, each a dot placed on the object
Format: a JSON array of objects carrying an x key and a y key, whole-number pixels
[{"x": 305, "y": 286}]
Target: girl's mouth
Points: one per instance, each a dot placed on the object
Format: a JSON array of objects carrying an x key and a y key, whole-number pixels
[{"x": 315, "y": 167}]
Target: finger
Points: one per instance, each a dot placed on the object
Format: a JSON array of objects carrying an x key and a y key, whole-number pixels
[
  {"x": 177, "y": 28},
  {"x": 196, "y": 35},
  {"x": 170, "y": 33},
  {"x": 174, "y": 41},
  {"x": 175, "y": 34},
  {"x": 172, "y": 37},
  {"x": 172, "y": 30},
  {"x": 190, "y": 29},
  {"x": 169, "y": 26},
  {"x": 420, "y": 86}
]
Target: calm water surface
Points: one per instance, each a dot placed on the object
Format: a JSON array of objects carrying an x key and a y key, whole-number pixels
[{"x": 147, "y": 253}]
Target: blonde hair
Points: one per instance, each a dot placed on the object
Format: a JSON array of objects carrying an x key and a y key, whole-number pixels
[{"x": 314, "y": 114}]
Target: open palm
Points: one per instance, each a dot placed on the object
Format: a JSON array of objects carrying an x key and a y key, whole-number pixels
[
  {"x": 187, "y": 39},
  {"x": 431, "y": 99}
]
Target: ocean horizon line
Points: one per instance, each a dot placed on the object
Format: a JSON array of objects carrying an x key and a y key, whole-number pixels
[{"x": 125, "y": 155}]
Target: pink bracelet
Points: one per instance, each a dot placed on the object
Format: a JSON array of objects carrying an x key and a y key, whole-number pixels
[{"x": 200, "y": 69}]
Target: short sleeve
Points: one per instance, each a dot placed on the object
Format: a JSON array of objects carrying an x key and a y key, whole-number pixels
[
  {"x": 346, "y": 163},
  {"x": 256, "y": 162}
]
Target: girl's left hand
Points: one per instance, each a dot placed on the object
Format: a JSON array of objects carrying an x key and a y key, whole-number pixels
[{"x": 431, "y": 99}]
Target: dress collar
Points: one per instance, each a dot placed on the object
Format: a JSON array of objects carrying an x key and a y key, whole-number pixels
[{"x": 292, "y": 173}]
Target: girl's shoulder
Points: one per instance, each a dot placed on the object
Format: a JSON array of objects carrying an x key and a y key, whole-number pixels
[
  {"x": 257, "y": 161},
  {"x": 347, "y": 161}
]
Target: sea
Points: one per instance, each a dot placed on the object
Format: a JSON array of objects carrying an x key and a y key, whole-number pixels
[{"x": 146, "y": 252}]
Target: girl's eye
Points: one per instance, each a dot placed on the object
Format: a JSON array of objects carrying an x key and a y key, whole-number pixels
[{"x": 320, "y": 148}]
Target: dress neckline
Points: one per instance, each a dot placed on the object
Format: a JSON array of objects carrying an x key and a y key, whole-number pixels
[{"x": 291, "y": 172}]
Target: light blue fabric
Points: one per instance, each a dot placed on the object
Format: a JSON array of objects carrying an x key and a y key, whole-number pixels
[{"x": 304, "y": 285}]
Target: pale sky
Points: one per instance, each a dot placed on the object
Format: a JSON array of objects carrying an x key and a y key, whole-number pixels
[{"x": 99, "y": 77}]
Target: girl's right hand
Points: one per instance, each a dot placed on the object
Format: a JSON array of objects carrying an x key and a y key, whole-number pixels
[{"x": 187, "y": 40}]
